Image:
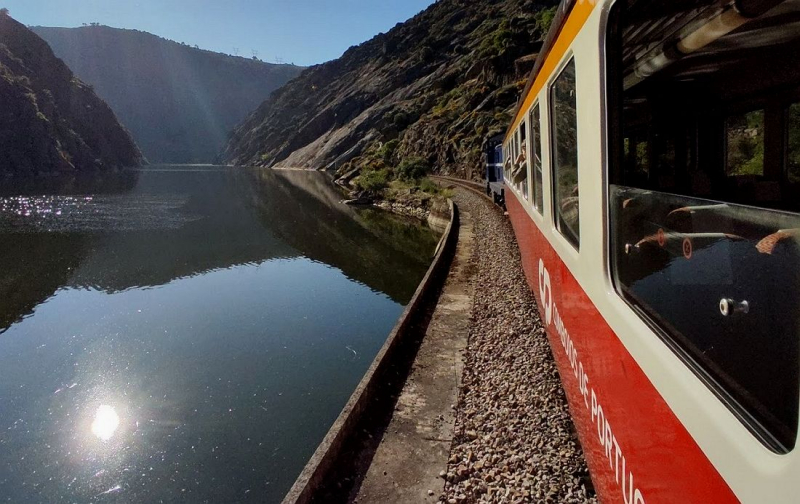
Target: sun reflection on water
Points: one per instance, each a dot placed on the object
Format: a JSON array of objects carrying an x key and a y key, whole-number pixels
[{"x": 106, "y": 422}]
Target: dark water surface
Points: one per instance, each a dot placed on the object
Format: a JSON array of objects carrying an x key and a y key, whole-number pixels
[{"x": 186, "y": 335}]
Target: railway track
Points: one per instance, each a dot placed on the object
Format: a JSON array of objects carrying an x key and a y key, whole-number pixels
[{"x": 467, "y": 184}]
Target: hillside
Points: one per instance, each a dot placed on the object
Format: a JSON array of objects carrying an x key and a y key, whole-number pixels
[
  {"x": 50, "y": 121},
  {"x": 439, "y": 84},
  {"x": 179, "y": 102}
]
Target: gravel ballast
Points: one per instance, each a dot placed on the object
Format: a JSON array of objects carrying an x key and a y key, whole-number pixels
[{"x": 514, "y": 438}]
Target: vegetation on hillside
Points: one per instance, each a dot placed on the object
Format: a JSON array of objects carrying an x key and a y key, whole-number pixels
[
  {"x": 433, "y": 88},
  {"x": 50, "y": 121}
]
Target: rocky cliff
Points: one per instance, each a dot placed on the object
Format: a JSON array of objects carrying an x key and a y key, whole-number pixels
[
  {"x": 438, "y": 85},
  {"x": 50, "y": 121},
  {"x": 178, "y": 101}
]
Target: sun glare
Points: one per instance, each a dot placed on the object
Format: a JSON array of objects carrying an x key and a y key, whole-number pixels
[{"x": 105, "y": 422}]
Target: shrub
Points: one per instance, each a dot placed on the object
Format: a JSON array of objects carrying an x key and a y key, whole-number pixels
[
  {"x": 387, "y": 151},
  {"x": 401, "y": 120},
  {"x": 429, "y": 186},
  {"x": 426, "y": 54},
  {"x": 544, "y": 18},
  {"x": 373, "y": 182},
  {"x": 496, "y": 43},
  {"x": 413, "y": 168}
]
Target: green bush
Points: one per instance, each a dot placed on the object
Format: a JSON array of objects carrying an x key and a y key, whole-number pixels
[
  {"x": 544, "y": 18},
  {"x": 496, "y": 43},
  {"x": 401, "y": 120},
  {"x": 413, "y": 168},
  {"x": 374, "y": 182},
  {"x": 387, "y": 151},
  {"x": 429, "y": 186}
]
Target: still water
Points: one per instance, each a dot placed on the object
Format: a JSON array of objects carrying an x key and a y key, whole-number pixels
[{"x": 186, "y": 334}]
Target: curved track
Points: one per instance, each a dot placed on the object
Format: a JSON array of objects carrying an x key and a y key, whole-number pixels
[{"x": 466, "y": 184}]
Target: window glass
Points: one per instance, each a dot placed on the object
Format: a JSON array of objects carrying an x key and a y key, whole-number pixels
[
  {"x": 536, "y": 160},
  {"x": 722, "y": 280},
  {"x": 507, "y": 160},
  {"x": 793, "y": 143},
  {"x": 745, "y": 144},
  {"x": 565, "y": 154},
  {"x": 637, "y": 164},
  {"x": 704, "y": 219},
  {"x": 520, "y": 175}
]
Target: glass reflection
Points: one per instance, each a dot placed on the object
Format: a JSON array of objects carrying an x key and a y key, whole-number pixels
[{"x": 722, "y": 281}]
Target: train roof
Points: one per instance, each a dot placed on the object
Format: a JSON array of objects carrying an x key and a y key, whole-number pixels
[
  {"x": 559, "y": 20},
  {"x": 660, "y": 26}
]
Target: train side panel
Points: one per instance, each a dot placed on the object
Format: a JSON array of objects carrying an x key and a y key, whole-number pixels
[
  {"x": 636, "y": 448},
  {"x": 634, "y": 401}
]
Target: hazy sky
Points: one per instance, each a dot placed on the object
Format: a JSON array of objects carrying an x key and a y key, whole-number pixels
[{"x": 304, "y": 32}]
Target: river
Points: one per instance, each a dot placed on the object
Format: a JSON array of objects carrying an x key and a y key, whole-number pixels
[{"x": 186, "y": 334}]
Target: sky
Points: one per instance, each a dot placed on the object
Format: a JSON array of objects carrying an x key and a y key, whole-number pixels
[{"x": 304, "y": 32}]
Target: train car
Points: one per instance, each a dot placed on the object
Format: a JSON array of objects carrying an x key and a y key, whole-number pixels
[
  {"x": 495, "y": 178},
  {"x": 653, "y": 183}
]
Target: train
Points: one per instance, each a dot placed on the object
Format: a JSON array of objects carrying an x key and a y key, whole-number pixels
[{"x": 651, "y": 173}]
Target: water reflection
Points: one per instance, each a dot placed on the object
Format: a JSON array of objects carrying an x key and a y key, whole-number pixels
[
  {"x": 198, "y": 353},
  {"x": 175, "y": 224}
]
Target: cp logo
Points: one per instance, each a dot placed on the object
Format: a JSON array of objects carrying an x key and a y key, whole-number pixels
[{"x": 545, "y": 292}]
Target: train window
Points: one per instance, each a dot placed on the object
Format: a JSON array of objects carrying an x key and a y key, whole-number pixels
[
  {"x": 521, "y": 163},
  {"x": 507, "y": 160},
  {"x": 793, "y": 143},
  {"x": 745, "y": 144},
  {"x": 536, "y": 158},
  {"x": 704, "y": 164},
  {"x": 564, "y": 128}
]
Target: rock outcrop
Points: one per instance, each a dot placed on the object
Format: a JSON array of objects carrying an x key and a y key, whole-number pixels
[
  {"x": 179, "y": 102},
  {"x": 440, "y": 84},
  {"x": 50, "y": 121}
]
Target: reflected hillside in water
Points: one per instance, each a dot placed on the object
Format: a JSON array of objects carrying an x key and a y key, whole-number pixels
[
  {"x": 362, "y": 243},
  {"x": 148, "y": 228}
]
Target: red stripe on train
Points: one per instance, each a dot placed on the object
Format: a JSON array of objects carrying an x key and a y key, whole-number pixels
[{"x": 629, "y": 435}]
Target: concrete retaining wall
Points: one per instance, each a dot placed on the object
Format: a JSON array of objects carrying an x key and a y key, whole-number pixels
[{"x": 325, "y": 458}]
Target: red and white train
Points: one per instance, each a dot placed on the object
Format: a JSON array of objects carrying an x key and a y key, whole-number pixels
[{"x": 653, "y": 182}]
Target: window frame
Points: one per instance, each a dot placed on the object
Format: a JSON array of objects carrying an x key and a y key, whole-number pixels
[
  {"x": 614, "y": 160},
  {"x": 568, "y": 59},
  {"x": 785, "y": 161},
  {"x": 534, "y": 124},
  {"x": 523, "y": 149}
]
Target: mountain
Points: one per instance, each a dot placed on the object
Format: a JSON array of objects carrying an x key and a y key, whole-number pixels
[
  {"x": 50, "y": 121},
  {"x": 179, "y": 102},
  {"x": 439, "y": 84}
]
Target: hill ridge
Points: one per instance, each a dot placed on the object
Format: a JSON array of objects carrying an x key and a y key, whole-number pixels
[
  {"x": 50, "y": 120},
  {"x": 178, "y": 101},
  {"x": 434, "y": 87}
]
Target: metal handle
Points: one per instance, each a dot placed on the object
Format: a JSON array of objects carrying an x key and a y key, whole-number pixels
[{"x": 728, "y": 307}]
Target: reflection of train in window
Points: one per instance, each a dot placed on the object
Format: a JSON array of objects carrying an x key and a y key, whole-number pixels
[{"x": 653, "y": 182}]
